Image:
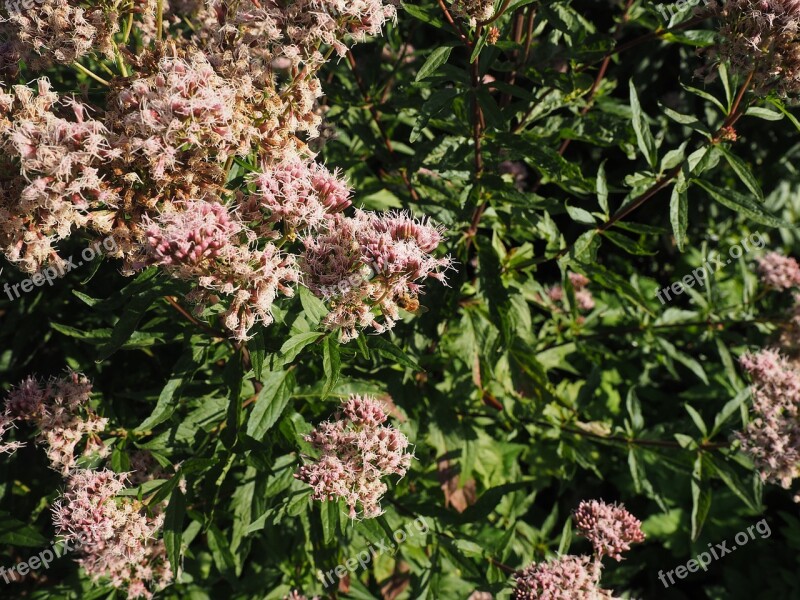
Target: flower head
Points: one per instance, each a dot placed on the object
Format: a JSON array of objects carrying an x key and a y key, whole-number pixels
[
  {"x": 117, "y": 537},
  {"x": 356, "y": 451},
  {"x": 564, "y": 578},
  {"x": 772, "y": 438},
  {"x": 778, "y": 271},
  {"x": 761, "y": 37},
  {"x": 609, "y": 527}
]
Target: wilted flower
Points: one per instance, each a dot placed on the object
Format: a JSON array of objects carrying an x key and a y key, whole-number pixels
[
  {"x": 474, "y": 10},
  {"x": 609, "y": 527},
  {"x": 356, "y": 451},
  {"x": 762, "y": 37}
]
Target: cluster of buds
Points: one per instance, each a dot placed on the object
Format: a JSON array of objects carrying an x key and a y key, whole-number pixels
[
  {"x": 356, "y": 451},
  {"x": 474, "y": 11},
  {"x": 610, "y": 528}
]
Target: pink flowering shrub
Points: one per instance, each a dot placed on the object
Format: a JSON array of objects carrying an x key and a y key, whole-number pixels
[{"x": 343, "y": 299}]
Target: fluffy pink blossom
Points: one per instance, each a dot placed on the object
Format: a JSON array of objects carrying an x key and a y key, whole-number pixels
[
  {"x": 59, "y": 151},
  {"x": 299, "y": 193},
  {"x": 583, "y": 296},
  {"x": 116, "y": 535},
  {"x": 609, "y": 527},
  {"x": 778, "y": 271},
  {"x": 199, "y": 233},
  {"x": 204, "y": 242},
  {"x": 356, "y": 451},
  {"x": 564, "y": 578},
  {"x": 6, "y": 424},
  {"x": 772, "y": 438},
  {"x": 59, "y": 410},
  {"x": 184, "y": 111},
  {"x": 370, "y": 266},
  {"x": 60, "y": 31}
]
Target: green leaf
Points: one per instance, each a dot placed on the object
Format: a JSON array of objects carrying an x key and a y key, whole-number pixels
[
  {"x": 390, "y": 350},
  {"x": 187, "y": 364},
  {"x": 331, "y": 363},
  {"x": 126, "y": 325},
  {"x": 679, "y": 211},
  {"x": 270, "y": 403},
  {"x": 743, "y": 172},
  {"x": 739, "y": 203},
  {"x": 295, "y": 344},
  {"x": 644, "y": 136},
  {"x": 221, "y": 553},
  {"x": 763, "y": 113},
  {"x": 435, "y": 60},
  {"x": 17, "y": 533},
  {"x": 173, "y": 528},
  {"x": 701, "y": 497},
  {"x": 602, "y": 188},
  {"x": 314, "y": 309},
  {"x": 698, "y": 420}
]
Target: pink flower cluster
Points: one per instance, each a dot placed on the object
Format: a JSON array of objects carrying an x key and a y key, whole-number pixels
[
  {"x": 772, "y": 438},
  {"x": 778, "y": 271},
  {"x": 59, "y": 187},
  {"x": 583, "y": 296},
  {"x": 204, "y": 242},
  {"x": 762, "y": 37},
  {"x": 564, "y": 578},
  {"x": 183, "y": 113},
  {"x": 356, "y": 451},
  {"x": 153, "y": 169},
  {"x": 609, "y": 527},
  {"x": 397, "y": 251},
  {"x": 117, "y": 535},
  {"x": 59, "y": 31},
  {"x": 60, "y": 412},
  {"x": 300, "y": 194}
]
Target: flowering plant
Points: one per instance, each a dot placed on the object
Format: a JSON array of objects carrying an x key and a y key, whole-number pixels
[{"x": 360, "y": 263}]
